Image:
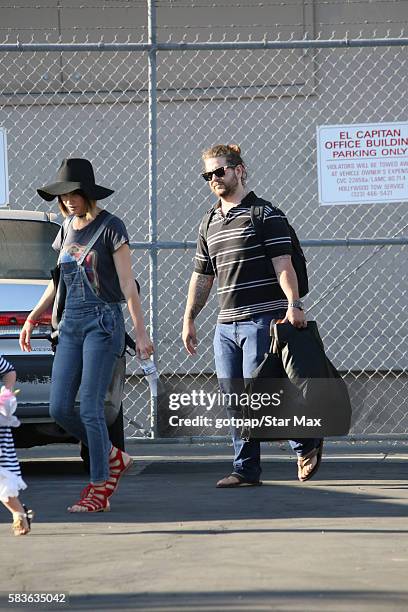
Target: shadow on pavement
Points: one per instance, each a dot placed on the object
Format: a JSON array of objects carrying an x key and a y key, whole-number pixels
[
  {"x": 336, "y": 470},
  {"x": 167, "y": 492}
]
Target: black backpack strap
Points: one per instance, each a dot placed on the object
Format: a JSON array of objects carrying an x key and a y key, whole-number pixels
[
  {"x": 257, "y": 220},
  {"x": 298, "y": 257}
]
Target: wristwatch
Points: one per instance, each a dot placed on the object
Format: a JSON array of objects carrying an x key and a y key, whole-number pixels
[{"x": 296, "y": 304}]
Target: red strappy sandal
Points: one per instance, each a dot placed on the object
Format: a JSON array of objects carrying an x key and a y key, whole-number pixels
[
  {"x": 119, "y": 463},
  {"x": 85, "y": 491},
  {"x": 94, "y": 500}
]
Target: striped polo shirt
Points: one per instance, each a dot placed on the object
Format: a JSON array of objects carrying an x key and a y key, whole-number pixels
[{"x": 232, "y": 252}]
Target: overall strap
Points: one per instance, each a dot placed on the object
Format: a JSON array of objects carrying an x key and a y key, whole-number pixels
[
  {"x": 67, "y": 222},
  {"x": 105, "y": 222}
]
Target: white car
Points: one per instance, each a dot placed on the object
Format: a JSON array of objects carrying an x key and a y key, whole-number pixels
[{"x": 26, "y": 259}]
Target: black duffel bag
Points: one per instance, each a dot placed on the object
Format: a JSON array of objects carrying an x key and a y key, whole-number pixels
[{"x": 309, "y": 388}]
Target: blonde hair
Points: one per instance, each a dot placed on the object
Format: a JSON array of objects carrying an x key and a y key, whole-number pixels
[
  {"x": 232, "y": 154},
  {"x": 90, "y": 205}
]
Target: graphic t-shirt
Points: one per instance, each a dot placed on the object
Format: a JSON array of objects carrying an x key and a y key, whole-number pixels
[{"x": 99, "y": 265}]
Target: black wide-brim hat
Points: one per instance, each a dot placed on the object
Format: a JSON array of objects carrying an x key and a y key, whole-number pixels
[{"x": 75, "y": 173}]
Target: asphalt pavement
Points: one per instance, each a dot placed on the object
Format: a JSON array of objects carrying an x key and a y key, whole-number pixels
[{"x": 173, "y": 542}]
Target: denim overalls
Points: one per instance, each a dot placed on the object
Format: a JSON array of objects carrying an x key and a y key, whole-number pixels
[{"x": 91, "y": 337}]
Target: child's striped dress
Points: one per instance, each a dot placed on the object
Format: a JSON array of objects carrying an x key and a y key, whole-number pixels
[{"x": 10, "y": 473}]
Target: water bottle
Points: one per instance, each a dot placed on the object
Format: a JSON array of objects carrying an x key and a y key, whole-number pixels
[{"x": 151, "y": 374}]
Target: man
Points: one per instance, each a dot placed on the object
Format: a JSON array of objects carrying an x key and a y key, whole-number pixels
[{"x": 251, "y": 293}]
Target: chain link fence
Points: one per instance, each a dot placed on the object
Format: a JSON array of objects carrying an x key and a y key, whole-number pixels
[{"x": 144, "y": 111}]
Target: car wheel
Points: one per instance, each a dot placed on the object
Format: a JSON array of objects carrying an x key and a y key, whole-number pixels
[{"x": 116, "y": 436}]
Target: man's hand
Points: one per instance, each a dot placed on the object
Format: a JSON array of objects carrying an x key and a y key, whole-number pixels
[
  {"x": 198, "y": 292},
  {"x": 189, "y": 336},
  {"x": 296, "y": 317},
  {"x": 287, "y": 279}
]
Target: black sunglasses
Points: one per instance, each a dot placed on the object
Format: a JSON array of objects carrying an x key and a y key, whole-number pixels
[{"x": 219, "y": 172}]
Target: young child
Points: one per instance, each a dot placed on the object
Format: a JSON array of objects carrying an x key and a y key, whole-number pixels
[{"x": 10, "y": 473}]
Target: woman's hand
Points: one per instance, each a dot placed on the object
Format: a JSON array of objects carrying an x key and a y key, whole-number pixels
[
  {"x": 144, "y": 346},
  {"x": 43, "y": 304},
  {"x": 25, "y": 336}
]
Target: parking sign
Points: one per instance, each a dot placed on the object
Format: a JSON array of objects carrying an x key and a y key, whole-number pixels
[{"x": 363, "y": 163}]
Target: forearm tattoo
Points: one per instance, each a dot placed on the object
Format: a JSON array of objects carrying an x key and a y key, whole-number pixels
[{"x": 199, "y": 290}]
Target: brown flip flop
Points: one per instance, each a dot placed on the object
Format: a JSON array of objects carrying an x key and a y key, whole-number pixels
[
  {"x": 241, "y": 481},
  {"x": 304, "y": 462}
]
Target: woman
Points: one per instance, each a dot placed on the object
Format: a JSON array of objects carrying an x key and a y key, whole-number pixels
[{"x": 91, "y": 331}]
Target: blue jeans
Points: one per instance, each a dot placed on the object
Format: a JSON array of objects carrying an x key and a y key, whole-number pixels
[
  {"x": 239, "y": 348},
  {"x": 91, "y": 338}
]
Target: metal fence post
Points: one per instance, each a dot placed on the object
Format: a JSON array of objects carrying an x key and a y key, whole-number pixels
[{"x": 153, "y": 255}]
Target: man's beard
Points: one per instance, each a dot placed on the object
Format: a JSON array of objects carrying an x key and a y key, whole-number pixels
[{"x": 228, "y": 190}]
